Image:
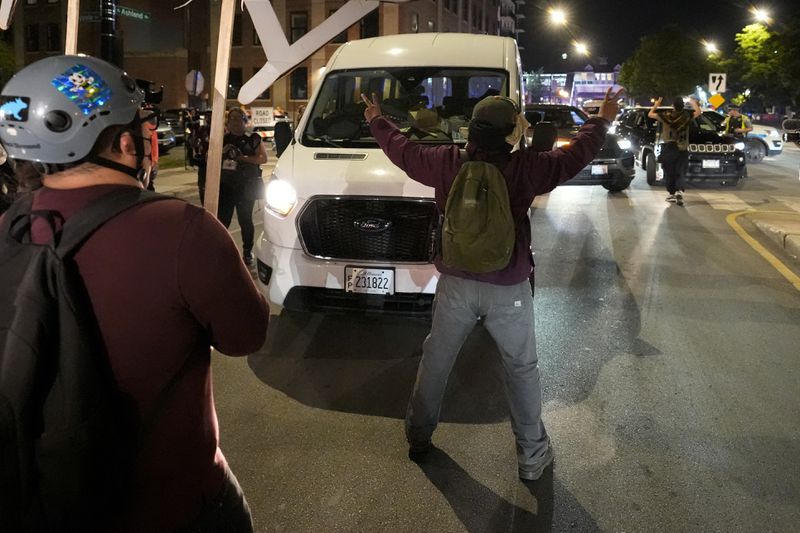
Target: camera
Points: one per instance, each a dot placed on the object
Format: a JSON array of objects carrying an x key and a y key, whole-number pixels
[{"x": 231, "y": 152}]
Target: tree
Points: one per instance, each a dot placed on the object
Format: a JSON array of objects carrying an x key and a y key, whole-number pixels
[{"x": 666, "y": 64}]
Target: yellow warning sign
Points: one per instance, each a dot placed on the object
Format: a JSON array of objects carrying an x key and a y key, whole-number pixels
[{"x": 716, "y": 100}]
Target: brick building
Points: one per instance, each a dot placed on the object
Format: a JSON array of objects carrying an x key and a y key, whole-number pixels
[{"x": 161, "y": 44}]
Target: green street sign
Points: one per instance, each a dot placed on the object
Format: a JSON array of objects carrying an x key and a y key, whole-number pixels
[{"x": 137, "y": 14}]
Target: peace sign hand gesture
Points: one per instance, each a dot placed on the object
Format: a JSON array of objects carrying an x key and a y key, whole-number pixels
[
  {"x": 610, "y": 107},
  {"x": 373, "y": 110}
]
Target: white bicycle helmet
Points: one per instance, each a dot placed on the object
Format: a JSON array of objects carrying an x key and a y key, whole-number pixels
[{"x": 53, "y": 110}]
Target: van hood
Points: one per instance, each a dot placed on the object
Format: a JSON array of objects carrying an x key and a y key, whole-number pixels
[{"x": 314, "y": 171}]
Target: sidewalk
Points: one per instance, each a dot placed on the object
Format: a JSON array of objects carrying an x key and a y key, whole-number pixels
[
  {"x": 781, "y": 228},
  {"x": 182, "y": 183}
]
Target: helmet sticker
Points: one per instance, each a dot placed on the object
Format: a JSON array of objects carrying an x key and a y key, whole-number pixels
[
  {"x": 14, "y": 108},
  {"x": 83, "y": 87}
]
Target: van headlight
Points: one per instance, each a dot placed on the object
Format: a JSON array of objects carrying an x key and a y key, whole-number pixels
[
  {"x": 774, "y": 133},
  {"x": 739, "y": 146},
  {"x": 624, "y": 144},
  {"x": 281, "y": 197}
]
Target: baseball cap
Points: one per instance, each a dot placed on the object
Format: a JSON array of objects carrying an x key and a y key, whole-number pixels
[{"x": 499, "y": 111}]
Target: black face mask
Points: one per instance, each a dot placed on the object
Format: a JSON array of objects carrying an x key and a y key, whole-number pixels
[{"x": 489, "y": 137}]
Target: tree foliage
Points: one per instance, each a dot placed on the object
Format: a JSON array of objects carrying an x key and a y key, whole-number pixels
[{"x": 666, "y": 64}]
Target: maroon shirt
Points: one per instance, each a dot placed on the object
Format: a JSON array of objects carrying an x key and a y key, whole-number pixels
[
  {"x": 528, "y": 173},
  {"x": 166, "y": 282}
]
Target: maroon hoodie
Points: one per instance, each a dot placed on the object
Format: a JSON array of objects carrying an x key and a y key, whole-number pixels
[
  {"x": 528, "y": 173},
  {"x": 166, "y": 283}
]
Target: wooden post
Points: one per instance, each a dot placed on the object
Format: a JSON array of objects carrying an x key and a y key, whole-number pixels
[
  {"x": 217, "y": 132},
  {"x": 73, "y": 9}
]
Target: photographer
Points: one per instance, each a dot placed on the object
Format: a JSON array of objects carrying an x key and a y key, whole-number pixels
[{"x": 240, "y": 182}]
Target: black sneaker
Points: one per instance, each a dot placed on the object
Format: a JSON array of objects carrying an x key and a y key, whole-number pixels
[
  {"x": 533, "y": 472},
  {"x": 679, "y": 197},
  {"x": 419, "y": 451},
  {"x": 247, "y": 256}
]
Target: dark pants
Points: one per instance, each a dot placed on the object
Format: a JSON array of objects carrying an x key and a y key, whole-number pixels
[
  {"x": 201, "y": 181},
  {"x": 228, "y": 512},
  {"x": 236, "y": 195},
  {"x": 675, "y": 163}
]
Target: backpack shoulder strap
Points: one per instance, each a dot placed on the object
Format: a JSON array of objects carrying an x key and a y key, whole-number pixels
[
  {"x": 20, "y": 208},
  {"x": 83, "y": 223}
]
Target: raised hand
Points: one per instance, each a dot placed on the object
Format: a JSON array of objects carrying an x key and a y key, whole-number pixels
[
  {"x": 373, "y": 110},
  {"x": 609, "y": 109}
]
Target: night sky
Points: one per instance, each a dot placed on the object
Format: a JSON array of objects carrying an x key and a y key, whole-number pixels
[{"x": 613, "y": 29}]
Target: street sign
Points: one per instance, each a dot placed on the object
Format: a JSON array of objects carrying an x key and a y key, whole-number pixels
[
  {"x": 716, "y": 100},
  {"x": 137, "y": 14},
  {"x": 716, "y": 82},
  {"x": 262, "y": 116},
  {"x": 195, "y": 83}
]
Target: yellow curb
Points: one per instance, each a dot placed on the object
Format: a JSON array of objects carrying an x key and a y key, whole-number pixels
[{"x": 776, "y": 263}]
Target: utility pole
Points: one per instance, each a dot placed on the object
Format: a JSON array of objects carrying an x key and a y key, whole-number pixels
[{"x": 110, "y": 48}]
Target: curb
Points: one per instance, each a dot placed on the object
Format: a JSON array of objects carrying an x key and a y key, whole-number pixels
[{"x": 788, "y": 240}]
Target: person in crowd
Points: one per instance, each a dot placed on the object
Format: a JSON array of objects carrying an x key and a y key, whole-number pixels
[
  {"x": 157, "y": 330},
  {"x": 674, "y": 156},
  {"x": 503, "y": 298},
  {"x": 240, "y": 182},
  {"x": 736, "y": 123},
  {"x": 198, "y": 140}
]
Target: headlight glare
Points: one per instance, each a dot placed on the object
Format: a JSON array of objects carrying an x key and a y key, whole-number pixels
[
  {"x": 739, "y": 146},
  {"x": 281, "y": 197},
  {"x": 624, "y": 144}
]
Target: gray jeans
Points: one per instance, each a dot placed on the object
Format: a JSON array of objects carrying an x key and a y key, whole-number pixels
[{"x": 508, "y": 312}]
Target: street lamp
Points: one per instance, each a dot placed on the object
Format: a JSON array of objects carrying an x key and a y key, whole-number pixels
[
  {"x": 581, "y": 48},
  {"x": 710, "y": 47},
  {"x": 761, "y": 15},
  {"x": 558, "y": 17}
]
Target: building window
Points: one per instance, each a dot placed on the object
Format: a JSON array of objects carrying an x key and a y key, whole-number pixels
[
  {"x": 299, "y": 84},
  {"x": 256, "y": 40},
  {"x": 369, "y": 25},
  {"x": 234, "y": 82},
  {"x": 236, "y": 38},
  {"x": 414, "y": 23},
  {"x": 53, "y": 38},
  {"x": 299, "y": 25},
  {"x": 52, "y": 1},
  {"x": 342, "y": 37},
  {"x": 265, "y": 95},
  {"x": 32, "y": 38},
  {"x": 431, "y": 25},
  {"x": 30, "y": 2}
]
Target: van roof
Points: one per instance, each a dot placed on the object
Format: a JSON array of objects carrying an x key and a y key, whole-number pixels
[{"x": 427, "y": 49}]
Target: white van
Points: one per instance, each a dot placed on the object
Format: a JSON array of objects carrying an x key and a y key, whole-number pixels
[{"x": 343, "y": 226}]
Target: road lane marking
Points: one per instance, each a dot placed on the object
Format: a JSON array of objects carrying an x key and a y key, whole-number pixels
[
  {"x": 776, "y": 263},
  {"x": 724, "y": 201},
  {"x": 792, "y": 202}
]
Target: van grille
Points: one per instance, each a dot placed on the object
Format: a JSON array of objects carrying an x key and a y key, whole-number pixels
[
  {"x": 369, "y": 229},
  {"x": 712, "y": 148},
  {"x": 335, "y": 156}
]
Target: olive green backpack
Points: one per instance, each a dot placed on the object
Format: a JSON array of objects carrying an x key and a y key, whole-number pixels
[{"x": 478, "y": 228}]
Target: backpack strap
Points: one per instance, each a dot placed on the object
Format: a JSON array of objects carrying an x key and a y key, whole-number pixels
[
  {"x": 83, "y": 223},
  {"x": 20, "y": 209}
]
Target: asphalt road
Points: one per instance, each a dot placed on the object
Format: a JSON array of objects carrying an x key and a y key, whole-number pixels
[{"x": 669, "y": 357}]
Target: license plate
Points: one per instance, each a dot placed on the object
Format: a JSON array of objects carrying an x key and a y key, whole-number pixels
[
  {"x": 710, "y": 163},
  {"x": 598, "y": 170},
  {"x": 369, "y": 280}
]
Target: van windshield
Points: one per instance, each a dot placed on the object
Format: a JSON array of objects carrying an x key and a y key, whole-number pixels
[{"x": 429, "y": 104}]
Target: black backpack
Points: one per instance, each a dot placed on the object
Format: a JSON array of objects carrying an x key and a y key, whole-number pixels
[{"x": 68, "y": 437}]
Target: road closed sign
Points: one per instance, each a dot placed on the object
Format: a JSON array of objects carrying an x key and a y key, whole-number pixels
[
  {"x": 716, "y": 82},
  {"x": 261, "y": 116}
]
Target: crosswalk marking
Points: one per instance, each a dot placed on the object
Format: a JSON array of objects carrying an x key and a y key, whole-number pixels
[
  {"x": 792, "y": 202},
  {"x": 724, "y": 201}
]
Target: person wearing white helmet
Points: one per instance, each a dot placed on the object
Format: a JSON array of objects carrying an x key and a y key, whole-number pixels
[{"x": 149, "y": 274}]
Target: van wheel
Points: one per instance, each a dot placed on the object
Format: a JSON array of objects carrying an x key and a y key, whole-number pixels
[
  {"x": 756, "y": 152},
  {"x": 650, "y": 168}
]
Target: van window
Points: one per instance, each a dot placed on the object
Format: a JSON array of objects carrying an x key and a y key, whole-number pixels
[{"x": 429, "y": 104}]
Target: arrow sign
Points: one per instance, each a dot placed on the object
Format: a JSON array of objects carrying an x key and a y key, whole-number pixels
[{"x": 716, "y": 82}]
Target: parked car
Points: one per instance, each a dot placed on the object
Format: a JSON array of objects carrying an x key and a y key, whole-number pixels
[
  {"x": 613, "y": 168},
  {"x": 712, "y": 156},
  {"x": 166, "y": 138},
  {"x": 761, "y": 142},
  {"x": 176, "y": 118}
]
